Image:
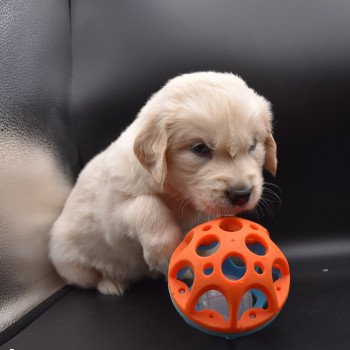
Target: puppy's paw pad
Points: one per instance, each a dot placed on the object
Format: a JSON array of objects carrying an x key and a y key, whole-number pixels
[{"x": 109, "y": 287}]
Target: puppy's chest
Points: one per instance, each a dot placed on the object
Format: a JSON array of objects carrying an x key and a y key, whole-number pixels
[{"x": 185, "y": 214}]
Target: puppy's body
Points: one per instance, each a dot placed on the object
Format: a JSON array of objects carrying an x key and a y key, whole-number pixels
[{"x": 132, "y": 202}]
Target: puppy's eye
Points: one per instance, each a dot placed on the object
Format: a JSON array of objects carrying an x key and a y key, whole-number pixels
[
  {"x": 201, "y": 149},
  {"x": 253, "y": 146}
]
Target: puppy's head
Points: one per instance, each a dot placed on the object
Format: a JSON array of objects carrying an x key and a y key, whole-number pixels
[{"x": 207, "y": 136}]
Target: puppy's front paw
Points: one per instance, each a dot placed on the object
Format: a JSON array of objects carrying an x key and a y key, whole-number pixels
[
  {"x": 158, "y": 253},
  {"x": 109, "y": 287},
  {"x": 157, "y": 263}
]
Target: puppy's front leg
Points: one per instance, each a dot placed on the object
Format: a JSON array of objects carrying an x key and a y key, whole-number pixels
[{"x": 156, "y": 229}]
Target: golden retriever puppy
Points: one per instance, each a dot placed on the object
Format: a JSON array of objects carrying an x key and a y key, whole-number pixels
[{"x": 198, "y": 146}]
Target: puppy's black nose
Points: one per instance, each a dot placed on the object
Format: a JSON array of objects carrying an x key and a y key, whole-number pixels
[{"x": 238, "y": 196}]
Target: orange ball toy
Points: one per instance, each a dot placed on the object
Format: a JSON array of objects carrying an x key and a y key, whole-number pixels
[{"x": 228, "y": 278}]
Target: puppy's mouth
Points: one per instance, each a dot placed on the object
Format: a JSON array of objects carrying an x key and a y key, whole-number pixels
[{"x": 223, "y": 207}]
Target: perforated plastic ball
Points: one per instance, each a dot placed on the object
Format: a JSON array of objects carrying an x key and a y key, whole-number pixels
[{"x": 228, "y": 278}]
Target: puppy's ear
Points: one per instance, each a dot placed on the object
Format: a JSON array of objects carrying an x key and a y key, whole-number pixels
[
  {"x": 271, "y": 154},
  {"x": 150, "y": 148}
]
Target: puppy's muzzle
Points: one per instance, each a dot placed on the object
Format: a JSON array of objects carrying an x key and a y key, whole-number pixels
[{"x": 238, "y": 196}]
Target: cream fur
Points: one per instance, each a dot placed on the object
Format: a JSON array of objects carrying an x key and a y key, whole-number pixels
[{"x": 133, "y": 202}]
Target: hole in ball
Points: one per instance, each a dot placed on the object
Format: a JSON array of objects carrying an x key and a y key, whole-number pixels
[
  {"x": 234, "y": 267},
  {"x": 208, "y": 247},
  {"x": 208, "y": 269},
  {"x": 186, "y": 276},
  {"x": 230, "y": 224},
  {"x": 258, "y": 269},
  {"x": 256, "y": 245},
  {"x": 213, "y": 300}
]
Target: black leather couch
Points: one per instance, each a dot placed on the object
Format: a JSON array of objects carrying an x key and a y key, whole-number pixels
[{"x": 75, "y": 73}]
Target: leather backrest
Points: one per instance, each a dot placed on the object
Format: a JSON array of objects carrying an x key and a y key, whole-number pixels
[
  {"x": 38, "y": 158},
  {"x": 296, "y": 54}
]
